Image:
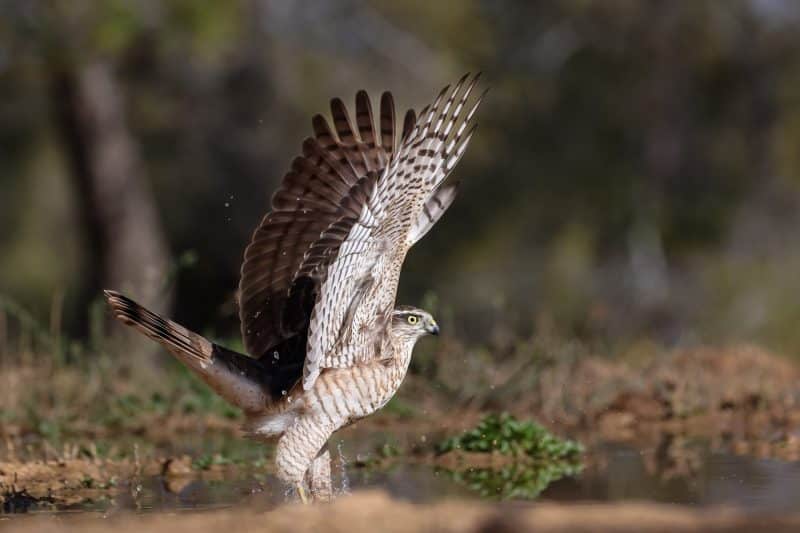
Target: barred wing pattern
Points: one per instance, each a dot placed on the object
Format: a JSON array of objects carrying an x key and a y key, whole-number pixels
[
  {"x": 358, "y": 290},
  {"x": 279, "y": 282}
]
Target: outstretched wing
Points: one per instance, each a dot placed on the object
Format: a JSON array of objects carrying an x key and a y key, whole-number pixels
[
  {"x": 280, "y": 282},
  {"x": 358, "y": 290}
]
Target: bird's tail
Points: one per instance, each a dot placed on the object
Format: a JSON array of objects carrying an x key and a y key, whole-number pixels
[
  {"x": 236, "y": 377},
  {"x": 187, "y": 346}
]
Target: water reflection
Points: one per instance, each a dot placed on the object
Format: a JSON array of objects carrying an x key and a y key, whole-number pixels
[
  {"x": 674, "y": 471},
  {"x": 513, "y": 481},
  {"x": 697, "y": 476}
]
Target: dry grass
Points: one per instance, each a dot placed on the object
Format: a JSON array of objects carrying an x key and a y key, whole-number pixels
[
  {"x": 564, "y": 385},
  {"x": 677, "y": 386},
  {"x": 741, "y": 389}
]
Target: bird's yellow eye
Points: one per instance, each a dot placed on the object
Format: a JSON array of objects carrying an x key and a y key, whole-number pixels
[{"x": 412, "y": 319}]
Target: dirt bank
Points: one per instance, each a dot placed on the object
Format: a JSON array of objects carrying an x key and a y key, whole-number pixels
[
  {"x": 65, "y": 482},
  {"x": 741, "y": 390},
  {"x": 376, "y": 511}
]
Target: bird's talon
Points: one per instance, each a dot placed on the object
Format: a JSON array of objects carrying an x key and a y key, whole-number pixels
[{"x": 302, "y": 493}]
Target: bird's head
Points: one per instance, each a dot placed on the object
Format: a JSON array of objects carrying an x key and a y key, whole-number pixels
[{"x": 413, "y": 323}]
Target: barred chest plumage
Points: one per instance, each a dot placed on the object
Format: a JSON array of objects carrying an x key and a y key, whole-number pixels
[{"x": 356, "y": 392}]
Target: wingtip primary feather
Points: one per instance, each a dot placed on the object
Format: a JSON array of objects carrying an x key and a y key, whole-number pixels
[{"x": 387, "y": 122}]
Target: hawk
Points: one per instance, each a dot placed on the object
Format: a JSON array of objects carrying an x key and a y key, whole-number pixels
[{"x": 327, "y": 344}]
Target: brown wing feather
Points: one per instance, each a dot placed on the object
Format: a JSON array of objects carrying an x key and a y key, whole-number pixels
[
  {"x": 364, "y": 120},
  {"x": 387, "y": 123},
  {"x": 360, "y": 283},
  {"x": 276, "y": 295},
  {"x": 408, "y": 123}
]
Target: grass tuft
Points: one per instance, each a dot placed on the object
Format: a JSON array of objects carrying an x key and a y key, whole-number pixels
[{"x": 537, "y": 457}]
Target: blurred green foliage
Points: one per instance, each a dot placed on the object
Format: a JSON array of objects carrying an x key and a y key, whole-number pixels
[{"x": 635, "y": 174}]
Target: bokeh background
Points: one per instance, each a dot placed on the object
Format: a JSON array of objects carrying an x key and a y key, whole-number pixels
[{"x": 635, "y": 179}]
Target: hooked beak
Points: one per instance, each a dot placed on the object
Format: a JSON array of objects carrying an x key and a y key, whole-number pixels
[{"x": 433, "y": 328}]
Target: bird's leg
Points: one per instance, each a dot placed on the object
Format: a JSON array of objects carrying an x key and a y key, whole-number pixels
[
  {"x": 301, "y": 492},
  {"x": 319, "y": 476},
  {"x": 298, "y": 450}
]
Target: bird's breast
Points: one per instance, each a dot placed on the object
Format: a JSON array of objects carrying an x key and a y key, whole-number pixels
[{"x": 353, "y": 393}]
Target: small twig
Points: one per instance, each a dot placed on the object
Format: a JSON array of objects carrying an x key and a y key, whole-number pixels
[{"x": 56, "y": 316}]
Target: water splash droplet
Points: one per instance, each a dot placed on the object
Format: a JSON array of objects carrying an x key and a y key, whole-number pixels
[{"x": 345, "y": 481}]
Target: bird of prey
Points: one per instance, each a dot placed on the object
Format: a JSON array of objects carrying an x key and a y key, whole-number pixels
[{"x": 327, "y": 345}]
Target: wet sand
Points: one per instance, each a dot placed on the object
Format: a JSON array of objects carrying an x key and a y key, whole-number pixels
[{"x": 376, "y": 511}]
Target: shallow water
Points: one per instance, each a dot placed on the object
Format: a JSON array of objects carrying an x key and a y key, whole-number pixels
[
  {"x": 689, "y": 474},
  {"x": 711, "y": 478}
]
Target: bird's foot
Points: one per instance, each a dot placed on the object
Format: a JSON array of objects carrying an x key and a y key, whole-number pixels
[{"x": 301, "y": 492}]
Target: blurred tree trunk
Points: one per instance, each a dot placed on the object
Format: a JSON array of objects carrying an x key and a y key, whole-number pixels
[
  {"x": 126, "y": 249},
  {"x": 664, "y": 158}
]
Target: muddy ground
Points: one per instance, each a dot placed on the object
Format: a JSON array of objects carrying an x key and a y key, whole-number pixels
[
  {"x": 376, "y": 511},
  {"x": 743, "y": 400},
  {"x": 741, "y": 391}
]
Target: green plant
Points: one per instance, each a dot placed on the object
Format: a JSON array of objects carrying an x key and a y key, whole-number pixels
[
  {"x": 537, "y": 457},
  {"x": 505, "y": 434}
]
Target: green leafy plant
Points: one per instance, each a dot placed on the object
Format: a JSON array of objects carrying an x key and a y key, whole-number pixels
[
  {"x": 536, "y": 457},
  {"x": 505, "y": 434}
]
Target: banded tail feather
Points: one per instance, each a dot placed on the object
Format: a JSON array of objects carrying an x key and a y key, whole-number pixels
[
  {"x": 177, "y": 339},
  {"x": 241, "y": 380}
]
